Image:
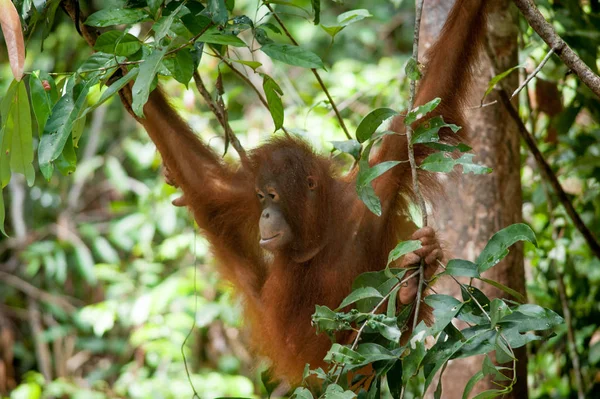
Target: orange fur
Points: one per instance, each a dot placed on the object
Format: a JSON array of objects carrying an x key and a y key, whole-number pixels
[{"x": 280, "y": 294}]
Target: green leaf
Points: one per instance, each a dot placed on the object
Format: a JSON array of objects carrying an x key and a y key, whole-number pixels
[
  {"x": 466, "y": 161},
  {"x": 412, "y": 69},
  {"x": 373, "y": 352},
  {"x": 461, "y": 268},
  {"x": 269, "y": 382},
  {"x": 271, "y": 27},
  {"x": 117, "y": 16},
  {"x": 142, "y": 85},
  {"x": 216, "y": 37},
  {"x": 59, "y": 127},
  {"x": 371, "y": 122},
  {"x": 302, "y": 393},
  {"x": 343, "y": 354},
  {"x": 506, "y": 289},
  {"x": 325, "y": 320},
  {"x": 154, "y": 6},
  {"x": 498, "y": 309},
  {"x": 491, "y": 393},
  {"x": 394, "y": 379},
  {"x": 112, "y": 90},
  {"x": 494, "y": 81},
  {"x": 66, "y": 163},
  {"x": 497, "y": 247},
  {"x": 529, "y": 317},
  {"x": 403, "y": 248},
  {"x": 427, "y": 132},
  {"x": 332, "y": 30},
  {"x": 365, "y": 176},
  {"x": 6, "y": 131},
  {"x": 471, "y": 384},
  {"x": 252, "y": 64},
  {"x": 471, "y": 312},
  {"x": 163, "y": 25},
  {"x": 42, "y": 100},
  {"x": 181, "y": 66},
  {"x": 195, "y": 23},
  {"x": 420, "y": 111},
  {"x": 273, "y": 93},
  {"x": 352, "y": 16},
  {"x": 2, "y": 213},
  {"x": 217, "y": 11},
  {"x": 334, "y": 391},
  {"x": 117, "y": 42},
  {"x": 316, "y": 5},
  {"x": 292, "y": 55},
  {"x": 351, "y": 147},
  {"x": 387, "y": 327},
  {"x": 503, "y": 353},
  {"x": 412, "y": 362},
  {"x": 441, "y": 162},
  {"x": 85, "y": 263},
  {"x": 445, "y": 307},
  {"x": 21, "y": 154},
  {"x": 438, "y": 162},
  {"x": 358, "y": 294},
  {"x": 449, "y": 148}
]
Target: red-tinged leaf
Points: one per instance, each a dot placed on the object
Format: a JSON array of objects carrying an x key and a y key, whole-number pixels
[{"x": 13, "y": 35}]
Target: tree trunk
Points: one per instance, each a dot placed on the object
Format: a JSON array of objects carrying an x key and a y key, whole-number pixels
[{"x": 476, "y": 207}]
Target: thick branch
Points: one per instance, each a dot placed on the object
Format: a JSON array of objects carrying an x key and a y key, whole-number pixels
[
  {"x": 549, "y": 175},
  {"x": 561, "y": 48},
  {"x": 544, "y": 167}
]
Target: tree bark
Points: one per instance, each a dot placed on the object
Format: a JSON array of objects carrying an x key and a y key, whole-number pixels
[{"x": 476, "y": 207}]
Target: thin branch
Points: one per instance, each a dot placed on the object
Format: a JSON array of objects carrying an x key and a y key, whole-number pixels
[
  {"x": 34, "y": 292},
  {"x": 543, "y": 28},
  {"x": 543, "y": 165},
  {"x": 42, "y": 352},
  {"x": 315, "y": 72},
  {"x": 533, "y": 74},
  {"x": 411, "y": 154},
  {"x": 523, "y": 84},
  {"x": 549, "y": 176},
  {"x": 564, "y": 301},
  {"x": 248, "y": 82},
  {"x": 220, "y": 112}
]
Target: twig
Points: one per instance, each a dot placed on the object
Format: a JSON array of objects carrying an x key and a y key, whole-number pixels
[
  {"x": 411, "y": 154},
  {"x": 534, "y": 73},
  {"x": 41, "y": 349},
  {"x": 248, "y": 82},
  {"x": 525, "y": 82},
  {"x": 543, "y": 165},
  {"x": 34, "y": 292},
  {"x": 218, "y": 109},
  {"x": 561, "y": 48},
  {"x": 564, "y": 301},
  {"x": 314, "y": 71},
  {"x": 549, "y": 176}
]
